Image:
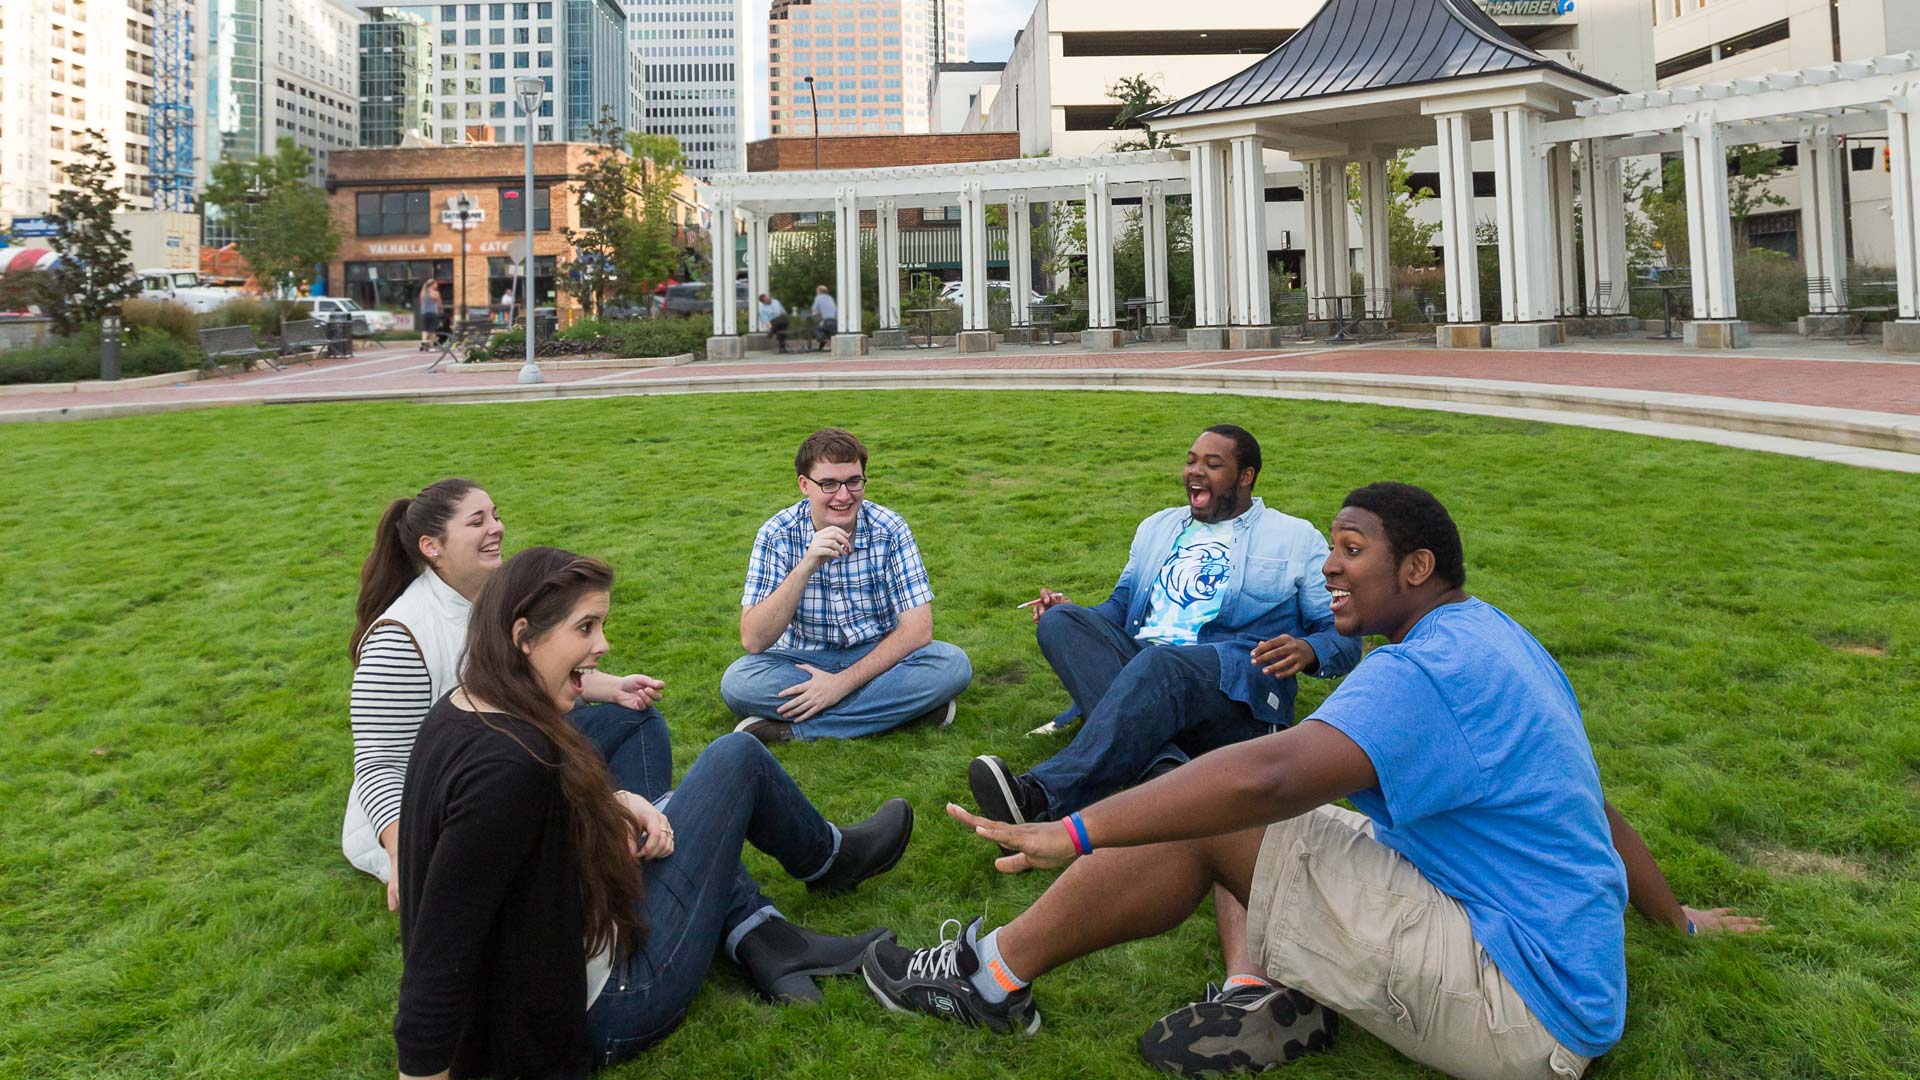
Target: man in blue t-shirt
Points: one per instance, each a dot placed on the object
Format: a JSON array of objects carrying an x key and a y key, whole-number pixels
[{"x": 1469, "y": 915}]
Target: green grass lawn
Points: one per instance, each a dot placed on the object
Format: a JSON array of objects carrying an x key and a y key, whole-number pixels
[{"x": 174, "y": 753}]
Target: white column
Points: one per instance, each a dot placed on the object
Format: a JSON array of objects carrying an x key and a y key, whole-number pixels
[
  {"x": 1019, "y": 257},
  {"x": 1100, "y": 305},
  {"x": 1153, "y": 235},
  {"x": 1529, "y": 290},
  {"x": 1206, "y": 164},
  {"x": 725, "y": 262},
  {"x": 1325, "y": 261},
  {"x": 1603, "y": 222},
  {"x": 1456, "y": 218},
  {"x": 887, "y": 261},
  {"x": 756, "y": 266},
  {"x": 1903, "y": 141},
  {"x": 846, "y": 252},
  {"x": 1375, "y": 239},
  {"x": 1253, "y": 303},
  {"x": 1823, "y": 222},
  {"x": 973, "y": 256},
  {"x": 1709, "y": 229},
  {"x": 1566, "y": 246}
]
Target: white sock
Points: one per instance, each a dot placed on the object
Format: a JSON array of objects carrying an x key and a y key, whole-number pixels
[{"x": 994, "y": 979}]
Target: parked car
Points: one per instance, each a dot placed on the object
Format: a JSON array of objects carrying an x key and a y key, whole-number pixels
[
  {"x": 696, "y": 298},
  {"x": 183, "y": 287},
  {"x": 365, "y": 321},
  {"x": 955, "y": 292}
]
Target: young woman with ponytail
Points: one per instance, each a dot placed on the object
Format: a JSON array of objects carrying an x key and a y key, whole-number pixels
[
  {"x": 431, "y": 555},
  {"x": 551, "y": 925}
]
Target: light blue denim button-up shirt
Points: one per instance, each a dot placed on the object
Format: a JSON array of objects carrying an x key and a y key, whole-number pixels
[{"x": 1274, "y": 587}]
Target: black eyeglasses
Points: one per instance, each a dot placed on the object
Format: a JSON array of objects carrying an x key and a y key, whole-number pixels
[{"x": 854, "y": 483}]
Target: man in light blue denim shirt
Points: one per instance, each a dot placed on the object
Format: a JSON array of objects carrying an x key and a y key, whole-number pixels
[{"x": 1221, "y": 604}]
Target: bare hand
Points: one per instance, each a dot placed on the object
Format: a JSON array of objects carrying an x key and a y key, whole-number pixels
[
  {"x": 392, "y": 843},
  {"x": 829, "y": 543},
  {"x": 1285, "y": 656},
  {"x": 811, "y": 698},
  {"x": 1048, "y": 598},
  {"x": 638, "y": 692},
  {"x": 1724, "y": 920},
  {"x": 1041, "y": 845},
  {"x": 649, "y": 823}
]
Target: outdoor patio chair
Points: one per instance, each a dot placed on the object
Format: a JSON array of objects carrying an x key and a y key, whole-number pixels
[{"x": 466, "y": 339}]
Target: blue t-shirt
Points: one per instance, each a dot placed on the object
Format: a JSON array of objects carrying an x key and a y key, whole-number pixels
[
  {"x": 1190, "y": 587},
  {"x": 1488, "y": 785}
]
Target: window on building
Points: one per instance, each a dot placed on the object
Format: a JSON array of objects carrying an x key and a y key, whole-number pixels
[
  {"x": 449, "y": 13},
  {"x": 513, "y": 211},
  {"x": 392, "y": 213}
]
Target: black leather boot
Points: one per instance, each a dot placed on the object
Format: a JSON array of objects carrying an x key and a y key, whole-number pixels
[
  {"x": 869, "y": 848},
  {"x": 783, "y": 958}
]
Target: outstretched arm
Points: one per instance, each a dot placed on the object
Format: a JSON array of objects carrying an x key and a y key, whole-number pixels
[{"x": 1649, "y": 893}]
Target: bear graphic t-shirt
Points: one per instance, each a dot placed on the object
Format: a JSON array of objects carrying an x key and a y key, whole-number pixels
[{"x": 1191, "y": 585}]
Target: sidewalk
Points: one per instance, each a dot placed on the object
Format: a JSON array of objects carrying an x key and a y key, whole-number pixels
[{"x": 1835, "y": 398}]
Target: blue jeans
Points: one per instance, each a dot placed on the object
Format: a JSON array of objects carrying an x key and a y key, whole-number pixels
[
  {"x": 1141, "y": 703},
  {"x": 931, "y": 675},
  {"x": 638, "y": 750},
  {"x": 734, "y": 793}
]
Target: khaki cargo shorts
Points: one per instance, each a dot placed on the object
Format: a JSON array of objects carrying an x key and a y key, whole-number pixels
[{"x": 1352, "y": 924}]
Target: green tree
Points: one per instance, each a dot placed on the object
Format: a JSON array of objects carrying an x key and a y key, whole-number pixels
[
  {"x": 1137, "y": 94},
  {"x": 646, "y": 255},
  {"x": 1409, "y": 240},
  {"x": 94, "y": 273},
  {"x": 281, "y": 223},
  {"x": 1751, "y": 171},
  {"x": 607, "y": 226}
]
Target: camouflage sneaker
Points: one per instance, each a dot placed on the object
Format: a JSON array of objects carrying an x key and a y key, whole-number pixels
[{"x": 1244, "y": 1029}]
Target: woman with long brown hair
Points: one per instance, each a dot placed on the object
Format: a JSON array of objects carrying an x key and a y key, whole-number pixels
[{"x": 549, "y": 924}]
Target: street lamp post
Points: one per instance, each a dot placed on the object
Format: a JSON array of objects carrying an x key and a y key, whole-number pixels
[
  {"x": 463, "y": 211},
  {"x": 814, "y": 100},
  {"x": 530, "y": 89}
]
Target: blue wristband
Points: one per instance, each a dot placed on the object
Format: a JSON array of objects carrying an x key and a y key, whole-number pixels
[
  {"x": 1689, "y": 927},
  {"x": 1080, "y": 831}
]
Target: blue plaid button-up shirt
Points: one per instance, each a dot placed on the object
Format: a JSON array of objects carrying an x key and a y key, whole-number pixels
[{"x": 851, "y": 600}]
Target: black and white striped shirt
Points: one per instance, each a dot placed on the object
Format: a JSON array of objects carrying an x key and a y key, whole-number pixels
[{"x": 391, "y": 695}]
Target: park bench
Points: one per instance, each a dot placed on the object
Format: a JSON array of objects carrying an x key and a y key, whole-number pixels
[
  {"x": 221, "y": 344},
  {"x": 462, "y": 342},
  {"x": 301, "y": 339}
]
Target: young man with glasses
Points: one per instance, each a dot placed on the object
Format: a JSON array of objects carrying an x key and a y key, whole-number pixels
[{"x": 837, "y": 616}]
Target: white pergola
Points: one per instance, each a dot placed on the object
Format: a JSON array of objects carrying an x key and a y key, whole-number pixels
[
  {"x": 751, "y": 199},
  {"x": 1815, "y": 108},
  {"x": 1361, "y": 81}
]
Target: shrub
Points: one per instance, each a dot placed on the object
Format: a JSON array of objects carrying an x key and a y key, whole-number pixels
[
  {"x": 262, "y": 314},
  {"x": 587, "y": 330},
  {"x": 662, "y": 337},
  {"x": 508, "y": 344},
  {"x": 175, "y": 320},
  {"x": 155, "y": 352},
  {"x": 68, "y": 359},
  {"x": 1769, "y": 287}
]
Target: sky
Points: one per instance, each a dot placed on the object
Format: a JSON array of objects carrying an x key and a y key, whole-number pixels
[{"x": 991, "y": 25}]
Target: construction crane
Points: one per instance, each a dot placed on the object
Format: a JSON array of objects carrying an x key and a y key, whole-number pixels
[{"x": 172, "y": 117}]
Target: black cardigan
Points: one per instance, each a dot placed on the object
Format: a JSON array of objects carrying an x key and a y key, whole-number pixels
[{"x": 494, "y": 978}]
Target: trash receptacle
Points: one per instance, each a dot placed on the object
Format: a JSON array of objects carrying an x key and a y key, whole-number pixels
[
  {"x": 546, "y": 324},
  {"x": 339, "y": 333}
]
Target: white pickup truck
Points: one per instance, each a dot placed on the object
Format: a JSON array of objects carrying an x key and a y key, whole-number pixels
[{"x": 183, "y": 287}]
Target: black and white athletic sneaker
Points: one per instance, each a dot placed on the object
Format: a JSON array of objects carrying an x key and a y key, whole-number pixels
[
  {"x": 1245, "y": 1029},
  {"x": 937, "y": 981},
  {"x": 1003, "y": 796}
]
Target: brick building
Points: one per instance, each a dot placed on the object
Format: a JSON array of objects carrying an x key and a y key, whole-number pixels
[{"x": 394, "y": 209}]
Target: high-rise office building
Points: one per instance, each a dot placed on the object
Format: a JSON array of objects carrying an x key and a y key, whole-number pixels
[
  {"x": 694, "y": 65},
  {"x": 577, "y": 48},
  {"x": 66, "y": 67},
  {"x": 871, "y": 62},
  {"x": 396, "y": 75},
  {"x": 274, "y": 69}
]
